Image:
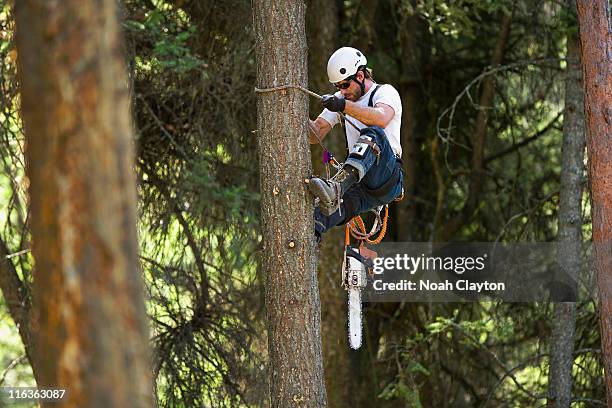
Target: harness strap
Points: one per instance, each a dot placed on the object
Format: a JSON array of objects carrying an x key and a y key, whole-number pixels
[
  {"x": 371, "y": 101},
  {"x": 344, "y": 119},
  {"x": 373, "y": 145}
]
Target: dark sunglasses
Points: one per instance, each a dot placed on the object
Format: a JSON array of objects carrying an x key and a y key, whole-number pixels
[{"x": 343, "y": 85}]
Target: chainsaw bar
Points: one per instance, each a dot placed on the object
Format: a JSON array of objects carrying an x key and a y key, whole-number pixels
[
  {"x": 354, "y": 280},
  {"x": 354, "y": 317}
]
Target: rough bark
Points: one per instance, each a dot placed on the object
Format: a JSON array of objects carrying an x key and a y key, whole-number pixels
[
  {"x": 289, "y": 253},
  {"x": 87, "y": 298},
  {"x": 570, "y": 225},
  {"x": 478, "y": 141},
  {"x": 596, "y": 42}
]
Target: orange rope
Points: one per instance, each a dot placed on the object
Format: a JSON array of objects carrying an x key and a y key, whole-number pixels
[
  {"x": 358, "y": 230},
  {"x": 347, "y": 237}
]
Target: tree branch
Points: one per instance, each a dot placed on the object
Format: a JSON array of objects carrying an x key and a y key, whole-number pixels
[
  {"x": 18, "y": 302},
  {"x": 524, "y": 142}
]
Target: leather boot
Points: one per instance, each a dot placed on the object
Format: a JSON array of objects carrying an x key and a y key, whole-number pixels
[{"x": 329, "y": 192}]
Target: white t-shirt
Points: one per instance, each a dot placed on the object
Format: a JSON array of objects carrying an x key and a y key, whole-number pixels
[{"x": 386, "y": 94}]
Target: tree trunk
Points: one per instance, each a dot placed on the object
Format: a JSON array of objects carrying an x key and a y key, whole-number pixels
[
  {"x": 596, "y": 41},
  {"x": 289, "y": 253},
  {"x": 570, "y": 225},
  {"x": 322, "y": 32},
  {"x": 415, "y": 43},
  {"x": 88, "y": 299}
]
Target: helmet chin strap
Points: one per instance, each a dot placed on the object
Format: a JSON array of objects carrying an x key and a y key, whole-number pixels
[{"x": 361, "y": 84}]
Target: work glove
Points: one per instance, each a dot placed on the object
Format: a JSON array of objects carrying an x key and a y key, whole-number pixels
[{"x": 334, "y": 103}]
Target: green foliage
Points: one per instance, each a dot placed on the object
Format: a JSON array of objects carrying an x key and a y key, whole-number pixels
[
  {"x": 199, "y": 201},
  {"x": 460, "y": 18},
  {"x": 399, "y": 390},
  {"x": 15, "y": 370},
  {"x": 171, "y": 37},
  {"x": 232, "y": 200}
]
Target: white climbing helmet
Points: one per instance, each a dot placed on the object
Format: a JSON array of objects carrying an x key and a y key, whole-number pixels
[{"x": 343, "y": 63}]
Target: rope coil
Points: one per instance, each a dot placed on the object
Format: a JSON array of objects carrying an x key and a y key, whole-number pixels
[{"x": 357, "y": 228}]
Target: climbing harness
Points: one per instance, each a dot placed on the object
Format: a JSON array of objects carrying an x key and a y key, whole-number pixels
[{"x": 357, "y": 261}]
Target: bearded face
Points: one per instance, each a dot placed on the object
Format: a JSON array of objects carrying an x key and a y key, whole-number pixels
[{"x": 353, "y": 92}]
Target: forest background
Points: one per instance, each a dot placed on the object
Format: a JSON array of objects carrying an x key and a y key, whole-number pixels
[{"x": 484, "y": 86}]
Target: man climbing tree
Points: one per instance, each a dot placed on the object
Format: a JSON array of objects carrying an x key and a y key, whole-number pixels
[
  {"x": 289, "y": 255},
  {"x": 596, "y": 42},
  {"x": 372, "y": 174},
  {"x": 90, "y": 327}
]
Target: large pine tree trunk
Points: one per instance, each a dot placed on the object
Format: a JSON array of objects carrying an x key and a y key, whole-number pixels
[
  {"x": 570, "y": 225},
  {"x": 289, "y": 254},
  {"x": 596, "y": 41},
  {"x": 89, "y": 310}
]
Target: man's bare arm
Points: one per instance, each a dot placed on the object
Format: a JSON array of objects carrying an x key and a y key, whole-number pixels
[
  {"x": 380, "y": 115},
  {"x": 321, "y": 127}
]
